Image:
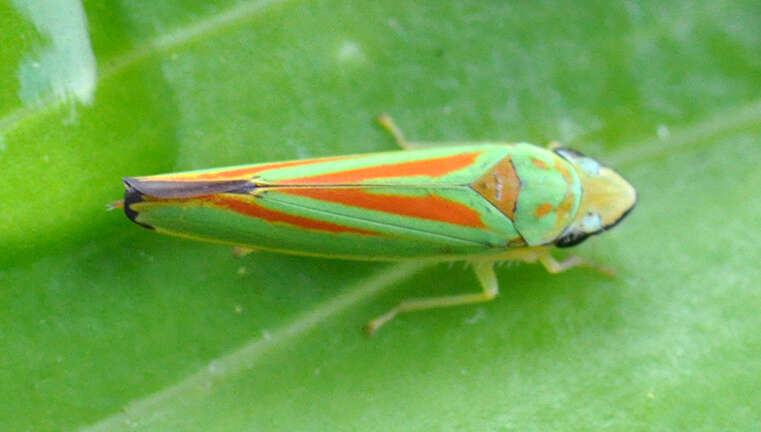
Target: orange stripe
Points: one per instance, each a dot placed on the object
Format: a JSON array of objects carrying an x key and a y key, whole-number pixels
[
  {"x": 435, "y": 167},
  {"x": 253, "y": 210},
  {"x": 543, "y": 209},
  {"x": 539, "y": 163},
  {"x": 241, "y": 173},
  {"x": 429, "y": 207}
]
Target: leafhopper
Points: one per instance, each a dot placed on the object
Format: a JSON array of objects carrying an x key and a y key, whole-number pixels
[{"x": 477, "y": 202}]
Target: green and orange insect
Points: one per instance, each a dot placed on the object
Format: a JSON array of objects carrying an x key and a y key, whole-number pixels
[{"x": 478, "y": 202}]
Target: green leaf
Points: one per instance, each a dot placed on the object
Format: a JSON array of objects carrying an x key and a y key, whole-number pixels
[{"x": 106, "y": 326}]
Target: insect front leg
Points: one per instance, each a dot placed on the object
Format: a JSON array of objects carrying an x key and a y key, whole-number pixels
[
  {"x": 543, "y": 255},
  {"x": 490, "y": 289},
  {"x": 554, "y": 266}
]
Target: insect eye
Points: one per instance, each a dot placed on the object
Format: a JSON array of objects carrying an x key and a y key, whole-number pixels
[
  {"x": 589, "y": 165},
  {"x": 569, "y": 153},
  {"x": 586, "y": 164},
  {"x": 591, "y": 222},
  {"x": 571, "y": 238}
]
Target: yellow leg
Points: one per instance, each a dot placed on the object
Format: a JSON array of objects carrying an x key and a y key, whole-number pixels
[
  {"x": 554, "y": 145},
  {"x": 239, "y": 251},
  {"x": 554, "y": 266},
  {"x": 386, "y": 123},
  {"x": 490, "y": 289},
  {"x": 544, "y": 256}
]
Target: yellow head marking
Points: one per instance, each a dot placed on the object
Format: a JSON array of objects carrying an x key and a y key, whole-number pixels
[{"x": 606, "y": 199}]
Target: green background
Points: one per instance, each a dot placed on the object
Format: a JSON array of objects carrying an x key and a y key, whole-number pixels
[{"x": 109, "y": 326}]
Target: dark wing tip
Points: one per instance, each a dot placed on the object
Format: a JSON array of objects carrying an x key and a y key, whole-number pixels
[
  {"x": 136, "y": 189},
  {"x": 132, "y": 196},
  {"x": 169, "y": 189}
]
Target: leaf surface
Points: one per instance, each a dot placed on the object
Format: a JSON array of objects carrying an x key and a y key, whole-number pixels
[{"x": 106, "y": 326}]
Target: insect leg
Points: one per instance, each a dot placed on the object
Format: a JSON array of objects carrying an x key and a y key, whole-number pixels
[
  {"x": 387, "y": 123},
  {"x": 490, "y": 289},
  {"x": 240, "y": 251},
  {"x": 554, "y": 266}
]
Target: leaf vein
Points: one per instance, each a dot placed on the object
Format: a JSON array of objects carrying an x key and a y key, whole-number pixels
[{"x": 200, "y": 383}]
